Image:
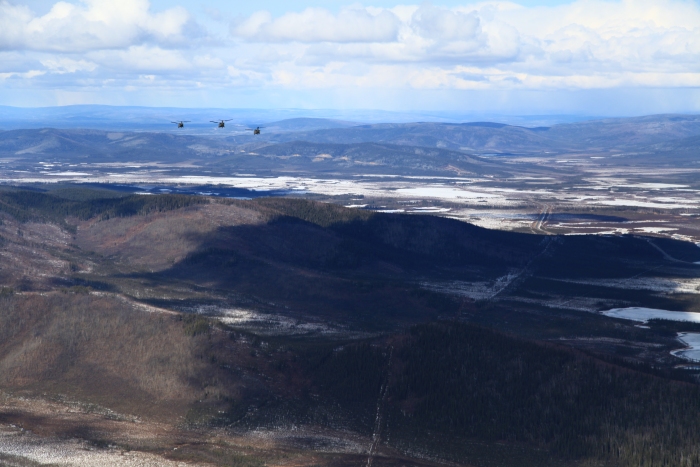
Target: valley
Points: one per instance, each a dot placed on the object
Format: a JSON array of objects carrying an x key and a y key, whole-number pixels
[
  {"x": 636, "y": 176},
  {"x": 367, "y": 294}
]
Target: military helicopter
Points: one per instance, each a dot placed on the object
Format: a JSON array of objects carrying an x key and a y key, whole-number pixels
[
  {"x": 220, "y": 122},
  {"x": 181, "y": 123},
  {"x": 256, "y": 131}
]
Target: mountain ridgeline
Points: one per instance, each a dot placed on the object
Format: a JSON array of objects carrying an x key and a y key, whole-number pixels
[
  {"x": 615, "y": 134},
  {"x": 301, "y": 144}
]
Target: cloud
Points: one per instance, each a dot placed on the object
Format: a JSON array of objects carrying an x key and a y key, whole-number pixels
[
  {"x": 26, "y": 75},
  {"x": 319, "y": 25},
  {"x": 445, "y": 25},
  {"x": 66, "y": 65},
  {"x": 586, "y": 34},
  {"x": 489, "y": 45},
  {"x": 91, "y": 25},
  {"x": 142, "y": 59}
]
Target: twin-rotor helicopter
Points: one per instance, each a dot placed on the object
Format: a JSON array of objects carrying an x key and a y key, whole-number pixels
[{"x": 219, "y": 124}]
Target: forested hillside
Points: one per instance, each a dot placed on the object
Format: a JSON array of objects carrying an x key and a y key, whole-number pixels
[{"x": 326, "y": 330}]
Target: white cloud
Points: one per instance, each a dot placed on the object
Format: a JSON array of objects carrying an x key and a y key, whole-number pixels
[
  {"x": 485, "y": 46},
  {"x": 63, "y": 65},
  {"x": 91, "y": 25},
  {"x": 141, "y": 58},
  {"x": 319, "y": 25},
  {"x": 26, "y": 75},
  {"x": 445, "y": 25},
  {"x": 623, "y": 36}
]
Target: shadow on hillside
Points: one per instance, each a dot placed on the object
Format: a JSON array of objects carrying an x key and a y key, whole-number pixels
[
  {"x": 368, "y": 268},
  {"x": 359, "y": 269}
]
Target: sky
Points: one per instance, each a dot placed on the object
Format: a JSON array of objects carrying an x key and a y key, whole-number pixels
[{"x": 527, "y": 57}]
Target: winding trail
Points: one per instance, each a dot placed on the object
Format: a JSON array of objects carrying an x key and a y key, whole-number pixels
[
  {"x": 665, "y": 255},
  {"x": 525, "y": 271},
  {"x": 381, "y": 402},
  {"x": 537, "y": 226}
]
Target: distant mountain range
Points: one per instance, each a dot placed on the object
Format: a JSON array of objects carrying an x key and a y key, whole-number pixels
[
  {"x": 159, "y": 118},
  {"x": 313, "y": 145},
  {"x": 620, "y": 133},
  {"x": 98, "y": 146}
]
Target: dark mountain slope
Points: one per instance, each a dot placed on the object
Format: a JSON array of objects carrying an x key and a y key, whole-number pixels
[
  {"x": 452, "y": 391},
  {"x": 327, "y": 260},
  {"x": 478, "y": 397},
  {"x": 331, "y": 261},
  {"x": 348, "y": 265}
]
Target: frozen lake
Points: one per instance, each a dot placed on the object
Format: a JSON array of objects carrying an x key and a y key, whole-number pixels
[
  {"x": 692, "y": 351},
  {"x": 643, "y": 315}
]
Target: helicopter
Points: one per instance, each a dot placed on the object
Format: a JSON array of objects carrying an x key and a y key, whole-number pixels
[
  {"x": 220, "y": 122},
  {"x": 256, "y": 131},
  {"x": 181, "y": 123}
]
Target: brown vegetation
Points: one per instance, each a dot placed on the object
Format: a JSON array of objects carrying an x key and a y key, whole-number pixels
[
  {"x": 101, "y": 350},
  {"x": 71, "y": 329},
  {"x": 158, "y": 240}
]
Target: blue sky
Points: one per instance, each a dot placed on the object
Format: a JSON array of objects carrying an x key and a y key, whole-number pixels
[
  {"x": 592, "y": 57},
  {"x": 279, "y": 7}
]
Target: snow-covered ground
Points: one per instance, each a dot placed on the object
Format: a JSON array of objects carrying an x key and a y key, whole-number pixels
[
  {"x": 28, "y": 448},
  {"x": 318, "y": 439},
  {"x": 477, "y": 290},
  {"x": 443, "y": 192},
  {"x": 449, "y": 189},
  {"x": 589, "y": 304},
  {"x": 643, "y": 315},
  {"x": 692, "y": 350},
  {"x": 269, "y": 324},
  {"x": 655, "y": 284}
]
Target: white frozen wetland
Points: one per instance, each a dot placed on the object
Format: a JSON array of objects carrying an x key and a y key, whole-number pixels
[
  {"x": 667, "y": 285},
  {"x": 692, "y": 350},
  {"x": 450, "y": 189},
  {"x": 643, "y": 315},
  {"x": 442, "y": 192}
]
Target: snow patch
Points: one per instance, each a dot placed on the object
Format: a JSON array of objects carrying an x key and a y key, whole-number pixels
[
  {"x": 443, "y": 192},
  {"x": 67, "y": 174},
  {"x": 643, "y": 315},
  {"x": 692, "y": 350},
  {"x": 645, "y": 204},
  {"x": 475, "y": 290},
  {"x": 656, "y": 284}
]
